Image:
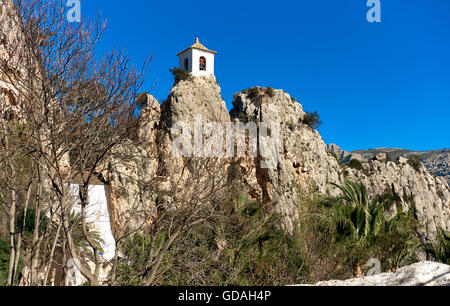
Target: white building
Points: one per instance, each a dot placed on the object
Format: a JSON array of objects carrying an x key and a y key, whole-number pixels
[
  {"x": 197, "y": 60},
  {"x": 98, "y": 216}
]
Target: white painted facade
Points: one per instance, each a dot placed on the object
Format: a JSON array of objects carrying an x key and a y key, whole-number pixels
[
  {"x": 191, "y": 57},
  {"x": 97, "y": 213}
]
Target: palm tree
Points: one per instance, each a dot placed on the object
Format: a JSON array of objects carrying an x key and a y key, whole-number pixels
[
  {"x": 441, "y": 250},
  {"x": 352, "y": 212},
  {"x": 78, "y": 236},
  {"x": 361, "y": 223}
]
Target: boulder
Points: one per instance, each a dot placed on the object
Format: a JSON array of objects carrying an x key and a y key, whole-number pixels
[{"x": 419, "y": 274}]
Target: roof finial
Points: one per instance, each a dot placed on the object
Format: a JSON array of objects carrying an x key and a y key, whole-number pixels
[{"x": 196, "y": 39}]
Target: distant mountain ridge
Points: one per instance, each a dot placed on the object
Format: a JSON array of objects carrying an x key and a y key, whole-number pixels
[{"x": 437, "y": 161}]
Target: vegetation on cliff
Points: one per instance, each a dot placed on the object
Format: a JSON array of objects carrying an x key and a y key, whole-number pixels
[{"x": 242, "y": 243}]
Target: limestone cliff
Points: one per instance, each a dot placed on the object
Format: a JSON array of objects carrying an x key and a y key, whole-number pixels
[
  {"x": 437, "y": 161},
  {"x": 304, "y": 160},
  {"x": 195, "y": 96}
]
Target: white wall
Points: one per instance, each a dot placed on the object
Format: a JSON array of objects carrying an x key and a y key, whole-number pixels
[
  {"x": 188, "y": 55},
  {"x": 97, "y": 213},
  {"x": 193, "y": 55}
]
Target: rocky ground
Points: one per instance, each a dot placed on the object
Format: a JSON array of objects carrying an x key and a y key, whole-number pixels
[{"x": 420, "y": 274}]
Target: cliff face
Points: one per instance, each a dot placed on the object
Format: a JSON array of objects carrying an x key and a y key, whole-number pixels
[
  {"x": 304, "y": 160},
  {"x": 193, "y": 97},
  {"x": 437, "y": 161},
  {"x": 9, "y": 34},
  {"x": 132, "y": 172},
  {"x": 145, "y": 176}
]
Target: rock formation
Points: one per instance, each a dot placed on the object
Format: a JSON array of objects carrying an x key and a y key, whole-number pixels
[
  {"x": 304, "y": 160},
  {"x": 419, "y": 274},
  {"x": 437, "y": 161}
]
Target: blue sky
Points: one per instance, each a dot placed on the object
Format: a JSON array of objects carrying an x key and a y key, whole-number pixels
[{"x": 374, "y": 84}]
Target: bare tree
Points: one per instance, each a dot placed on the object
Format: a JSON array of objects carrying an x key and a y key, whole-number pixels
[{"x": 74, "y": 109}]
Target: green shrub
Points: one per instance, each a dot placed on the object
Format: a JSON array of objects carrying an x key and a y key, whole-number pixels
[
  {"x": 270, "y": 92},
  {"x": 4, "y": 261},
  {"x": 141, "y": 100},
  {"x": 415, "y": 162},
  {"x": 356, "y": 164},
  {"x": 253, "y": 93},
  {"x": 312, "y": 119},
  {"x": 29, "y": 222},
  {"x": 179, "y": 75},
  {"x": 440, "y": 250},
  {"x": 364, "y": 230},
  {"x": 243, "y": 244},
  {"x": 388, "y": 157}
]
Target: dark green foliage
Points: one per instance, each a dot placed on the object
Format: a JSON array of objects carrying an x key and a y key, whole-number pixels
[
  {"x": 356, "y": 164},
  {"x": 78, "y": 236},
  {"x": 4, "y": 261},
  {"x": 388, "y": 157},
  {"x": 253, "y": 93},
  {"x": 415, "y": 162},
  {"x": 242, "y": 245},
  {"x": 135, "y": 250},
  {"x": 441, "y": 249},
  {"x": 312, "y": 119},
  {"x": 243, "y": 117},
  {"x": 29, "y": 222},
  {"x": 269, "y": 92},
  {"x": 362, "y": 228},
  {"x": 179, "y": 75},
  {"x": 141, "y": 100}
]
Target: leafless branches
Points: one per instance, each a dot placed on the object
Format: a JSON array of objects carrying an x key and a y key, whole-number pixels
[{"x": 67, "y": 110}]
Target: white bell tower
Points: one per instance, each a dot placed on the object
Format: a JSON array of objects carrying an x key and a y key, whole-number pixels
[{"x": 197, "y": 60}]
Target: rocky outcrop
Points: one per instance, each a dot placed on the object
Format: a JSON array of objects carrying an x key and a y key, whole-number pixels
[
  {"x": 132, "y": 174},
  {"x": 303, "y": 159},
  {"x": 419, "y": 274},
  {"x": 145, "y": 176},
  {"x": 305, "y": 163},
  {"x": 194, "y": 102},
  {"x": 10, "y": 53},
  {"x": 343, "y": 156},
  {"x": 437, "y": 161},
  {"x": 197, "y": 96}
]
